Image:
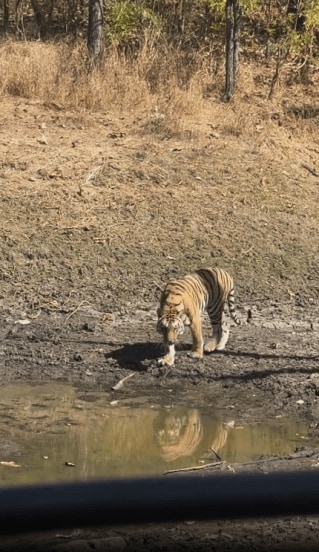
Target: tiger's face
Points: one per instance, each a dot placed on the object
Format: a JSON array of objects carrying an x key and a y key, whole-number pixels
[
  {"x": 170, "y": 432},
  {"x": 171, "y": 318},
  {"x": 171, "y": 329},
  {"x": 178, "y": 433}
]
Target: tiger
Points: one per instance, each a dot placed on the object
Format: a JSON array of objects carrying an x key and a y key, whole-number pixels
[
  {"x": 184, "y": 432},
  {"x": 182, "y": 303},
  {"x": 179, "y": 433}
]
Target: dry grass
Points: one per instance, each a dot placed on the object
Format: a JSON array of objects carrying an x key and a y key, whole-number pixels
[
  {"x": 158, "y": 80},
  {"x": 142, "y": 174},
  {"x": 58, "y": 73}
]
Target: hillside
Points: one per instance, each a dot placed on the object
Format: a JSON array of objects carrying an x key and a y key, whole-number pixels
[{"x": 102, "y": 207}]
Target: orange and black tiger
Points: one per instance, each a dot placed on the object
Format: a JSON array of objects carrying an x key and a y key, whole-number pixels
[{"x": 182, "y": 303}]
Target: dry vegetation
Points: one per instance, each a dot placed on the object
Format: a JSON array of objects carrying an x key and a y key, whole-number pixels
[{"x": 113, "y": 180}]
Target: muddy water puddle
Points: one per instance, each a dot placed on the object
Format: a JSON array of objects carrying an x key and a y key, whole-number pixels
[{"x": 54, "y": 433}]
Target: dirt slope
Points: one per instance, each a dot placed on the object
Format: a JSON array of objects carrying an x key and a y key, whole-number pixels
[{"x": 101, "y": 210}]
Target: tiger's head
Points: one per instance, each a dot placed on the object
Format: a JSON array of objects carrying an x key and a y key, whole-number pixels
[
  {"x": 171, "y": 317},
  {"x": 178, "y": 433},
  {"x": 171, "y": 430}
]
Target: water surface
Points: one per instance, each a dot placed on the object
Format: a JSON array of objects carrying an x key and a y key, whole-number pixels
[{"x": 52, "y": 433}]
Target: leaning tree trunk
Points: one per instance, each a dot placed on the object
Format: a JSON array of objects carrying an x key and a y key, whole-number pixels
[
  {"x": 95, "y": 30},
  {"x": 233, "y": 20}
]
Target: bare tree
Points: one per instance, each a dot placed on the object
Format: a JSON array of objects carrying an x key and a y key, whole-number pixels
[
  {"x": 6, "y": 15},
  {"x": 294, "y": 9},
  {"x": 233, "y": 21},
  {"x": 95, "y": 30},
  {"x": 39, "y": 17}
]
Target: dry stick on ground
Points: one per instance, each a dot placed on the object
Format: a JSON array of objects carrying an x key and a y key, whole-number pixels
[
  {"x": 119, "y": 384},
  {"x": 310, "y": 169},
  {"x": 75, "y": 310},
  {"x": 193, "y": 468},
  {"x": 216, "y": 454},
  {"x": 293, "y": 456}
]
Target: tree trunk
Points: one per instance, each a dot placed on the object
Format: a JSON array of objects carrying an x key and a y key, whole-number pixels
[
  {"x": 95, "y": 30},
  {"x": 39, "y": 16},
  {"x": 294, "y": 9},
  {"x": 6, "y": 15},
  {"x": 233, "y": 20}
]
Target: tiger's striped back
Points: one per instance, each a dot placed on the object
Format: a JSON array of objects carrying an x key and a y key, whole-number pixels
[{"x": 175, "y": 290}]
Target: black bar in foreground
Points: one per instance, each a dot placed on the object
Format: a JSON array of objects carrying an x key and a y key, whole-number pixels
[{"x": 157, "y": 499}]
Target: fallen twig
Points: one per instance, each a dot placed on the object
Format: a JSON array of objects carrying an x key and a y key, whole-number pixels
[
  {"x": 292, "y": 456},
  {"x": 236, "y": 465},
  {"x": 310, "y": 169},
  {"x": 119, "y": 384},
  {"x": 193, "y": 468},
  {"x": 216, "y": 454},
  {"x": 75, "y": 310}
]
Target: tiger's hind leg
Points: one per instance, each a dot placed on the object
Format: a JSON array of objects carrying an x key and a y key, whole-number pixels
[
  {"x": 220, "y": 336},
  {"x": 224, "y": 336},
  {"x": 213, "y": 343}
]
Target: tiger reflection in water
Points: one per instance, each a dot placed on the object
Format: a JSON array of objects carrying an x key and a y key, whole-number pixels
[{"x": 180, "y": 432}]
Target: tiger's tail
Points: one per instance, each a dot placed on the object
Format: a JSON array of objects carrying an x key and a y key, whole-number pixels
[{"x": 231, "y": 306}]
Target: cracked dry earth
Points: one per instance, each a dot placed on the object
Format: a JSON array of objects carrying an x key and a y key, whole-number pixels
[{"x": 57, "y": 326}]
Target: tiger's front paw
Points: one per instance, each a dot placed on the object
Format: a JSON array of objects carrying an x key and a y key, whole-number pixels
[{"x": 167, "y": 360}]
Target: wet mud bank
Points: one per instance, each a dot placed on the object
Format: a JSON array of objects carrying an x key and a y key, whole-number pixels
[{"x": 269, "y": 372}]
